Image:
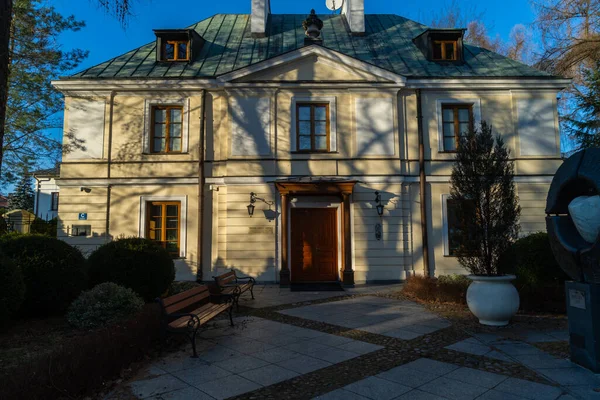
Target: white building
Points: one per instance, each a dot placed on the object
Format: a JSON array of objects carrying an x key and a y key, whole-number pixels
[{"x": 46, "y": 193}]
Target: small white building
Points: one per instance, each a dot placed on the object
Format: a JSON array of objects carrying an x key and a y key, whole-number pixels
[{"x": 46, "y": 193}]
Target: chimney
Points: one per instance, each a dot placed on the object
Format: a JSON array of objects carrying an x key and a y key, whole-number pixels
[
  {"x": 260, "y": 15},
  {"x": 354, "y": 10}
]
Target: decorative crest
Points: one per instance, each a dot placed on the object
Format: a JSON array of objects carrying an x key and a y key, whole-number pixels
[{"x": 313, "y": 25}]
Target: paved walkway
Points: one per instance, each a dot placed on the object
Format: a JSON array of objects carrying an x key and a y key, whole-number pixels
[{"x": 360, "y": 347}]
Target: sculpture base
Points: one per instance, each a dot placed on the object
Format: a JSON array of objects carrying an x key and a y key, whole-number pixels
[{"x": 583, "y": 309}]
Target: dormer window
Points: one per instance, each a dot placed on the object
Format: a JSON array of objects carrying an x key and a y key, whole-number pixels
[
  {"x": 445, "y": 50},
  {"x": 441, "y": 45},
  {"x": 176, "y": 50},
  {"x": 177, "y": 45}
]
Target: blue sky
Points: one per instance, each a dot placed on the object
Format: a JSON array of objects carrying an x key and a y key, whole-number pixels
[{"x": 105, "y": 38}]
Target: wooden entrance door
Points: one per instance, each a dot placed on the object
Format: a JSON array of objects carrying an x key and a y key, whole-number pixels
[{"x": 314, "y": 245}]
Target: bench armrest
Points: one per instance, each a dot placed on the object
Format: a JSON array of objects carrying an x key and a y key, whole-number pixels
[
  {"x": 192, "y": 323},
  {"x": 249, "y": 278}
]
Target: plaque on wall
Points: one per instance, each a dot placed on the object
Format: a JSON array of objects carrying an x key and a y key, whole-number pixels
[{"x": 577, "y": 299}]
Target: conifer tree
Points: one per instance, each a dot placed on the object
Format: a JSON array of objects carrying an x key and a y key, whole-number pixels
[
  {"x": 583, "y": 125},
  {"x": 22, "y": 197},
  {"x": 33, "y": 105},
  {"x": 483, "y": 194},
  {"x": 9, "y": 39}
]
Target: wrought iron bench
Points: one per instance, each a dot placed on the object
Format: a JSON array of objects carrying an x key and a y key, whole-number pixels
[
  {"x": 231, "y": 284},
  {"x": 186, "y": 312}
]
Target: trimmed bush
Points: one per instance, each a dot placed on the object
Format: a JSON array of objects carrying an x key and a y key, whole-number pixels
[
  {"x": 3, "y": 225},
  {"x": 136, "y": 263},
  {"x": 12, "y": 289},
  {"x": 54, "y": 272},
  {"x": 532, "y": 261},
  {"x": 452, "y": 288},
  {"x": 42, "y": 227},
  {"x": 420, "y": 287},
  {"x": 105, "y": 304},
  {"x": 444, "y": 289}
]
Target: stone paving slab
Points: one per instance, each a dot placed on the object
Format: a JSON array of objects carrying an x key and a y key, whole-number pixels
[
  {"x": 272, "y": 295},
  {"x": 244, "y": 358},
  {"x": 377, "y": 389},
  {"x": 262, "y": 352},
  {"x": 430, "y": 379},
  {"x": 388, "y": 317}
]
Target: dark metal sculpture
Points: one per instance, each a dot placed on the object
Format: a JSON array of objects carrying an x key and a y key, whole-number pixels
[{"x": 578, "y": 176}]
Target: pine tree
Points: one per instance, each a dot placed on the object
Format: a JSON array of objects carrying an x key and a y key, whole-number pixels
[
  {"x": 33, "y": 106},
  {"x": 583, "y": 125},
  {"x": 485, "y": 203},
  {"x": 9, "y": 10},
  {"x": 22, "y": 197}
]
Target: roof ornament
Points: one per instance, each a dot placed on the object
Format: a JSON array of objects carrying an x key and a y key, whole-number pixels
[{"x": 312, "y": 25}]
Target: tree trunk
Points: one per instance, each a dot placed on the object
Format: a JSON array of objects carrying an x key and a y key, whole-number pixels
[{"x": 6, "y": 14}]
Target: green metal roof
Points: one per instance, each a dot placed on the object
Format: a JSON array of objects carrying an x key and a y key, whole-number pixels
[{"x": 229, "y": 46}]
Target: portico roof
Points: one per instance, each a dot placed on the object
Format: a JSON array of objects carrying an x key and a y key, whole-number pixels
[{"x": 315, "y": 185}]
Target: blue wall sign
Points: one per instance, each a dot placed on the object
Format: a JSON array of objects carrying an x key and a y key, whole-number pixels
[{"x": 82, "y": 216}]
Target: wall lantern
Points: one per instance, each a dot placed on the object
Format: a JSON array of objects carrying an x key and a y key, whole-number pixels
[
  {"x": 379, "y": 206},
  {"x": 253, "y": 199}
]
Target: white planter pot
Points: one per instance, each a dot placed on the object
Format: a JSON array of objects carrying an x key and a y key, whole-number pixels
[{"x": 493, "y": 299}]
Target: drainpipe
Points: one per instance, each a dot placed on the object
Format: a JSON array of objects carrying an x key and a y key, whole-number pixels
[
  {"x": 108, "y": 159},
  {"x": 201, "y": 196},
  {"x": 423, "y": 187}
]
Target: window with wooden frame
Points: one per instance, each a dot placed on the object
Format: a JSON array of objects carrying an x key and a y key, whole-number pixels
[
  {"x": 445, "y": 50},
  {"x": 456, "y": 120},
  {"x": 167, "y": 123},
  {"x": 176, "y": 50},
  {"x": 163, "y": 224},
  {"x": 312, "y": 127},
  {"x": 53, "y": 201}
]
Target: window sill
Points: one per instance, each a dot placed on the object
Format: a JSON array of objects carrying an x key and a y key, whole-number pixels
[
  {"x": 174, "y": 61},
  {"x": 315, "y": 152},
  {"x": 163, "y": 154}
]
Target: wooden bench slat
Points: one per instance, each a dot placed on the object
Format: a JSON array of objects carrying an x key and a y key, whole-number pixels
[
  {"x": 204, "y": 314},
  {"x": 187, "y": 302},
  {"x": 183, "y": 295},
  {"x": 226, "y": 278}
]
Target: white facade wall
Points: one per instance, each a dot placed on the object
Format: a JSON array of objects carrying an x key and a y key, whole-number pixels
[{"x": 43, "y": 198}]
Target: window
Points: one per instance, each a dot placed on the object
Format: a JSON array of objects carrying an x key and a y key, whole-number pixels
[
  {"x": 163, "y": 224},
  {"x": 167, "y": 124},
  {"x": 456, "y": 120},
  {"x": 53, "y": 201},
  {"x": 176, "y": 50},
  {"x": 312, "y": 127},
  {"x": 456, "y": 224},
  {"x": 81, "y": 230},
  {"x": 445, "y": 50}
]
